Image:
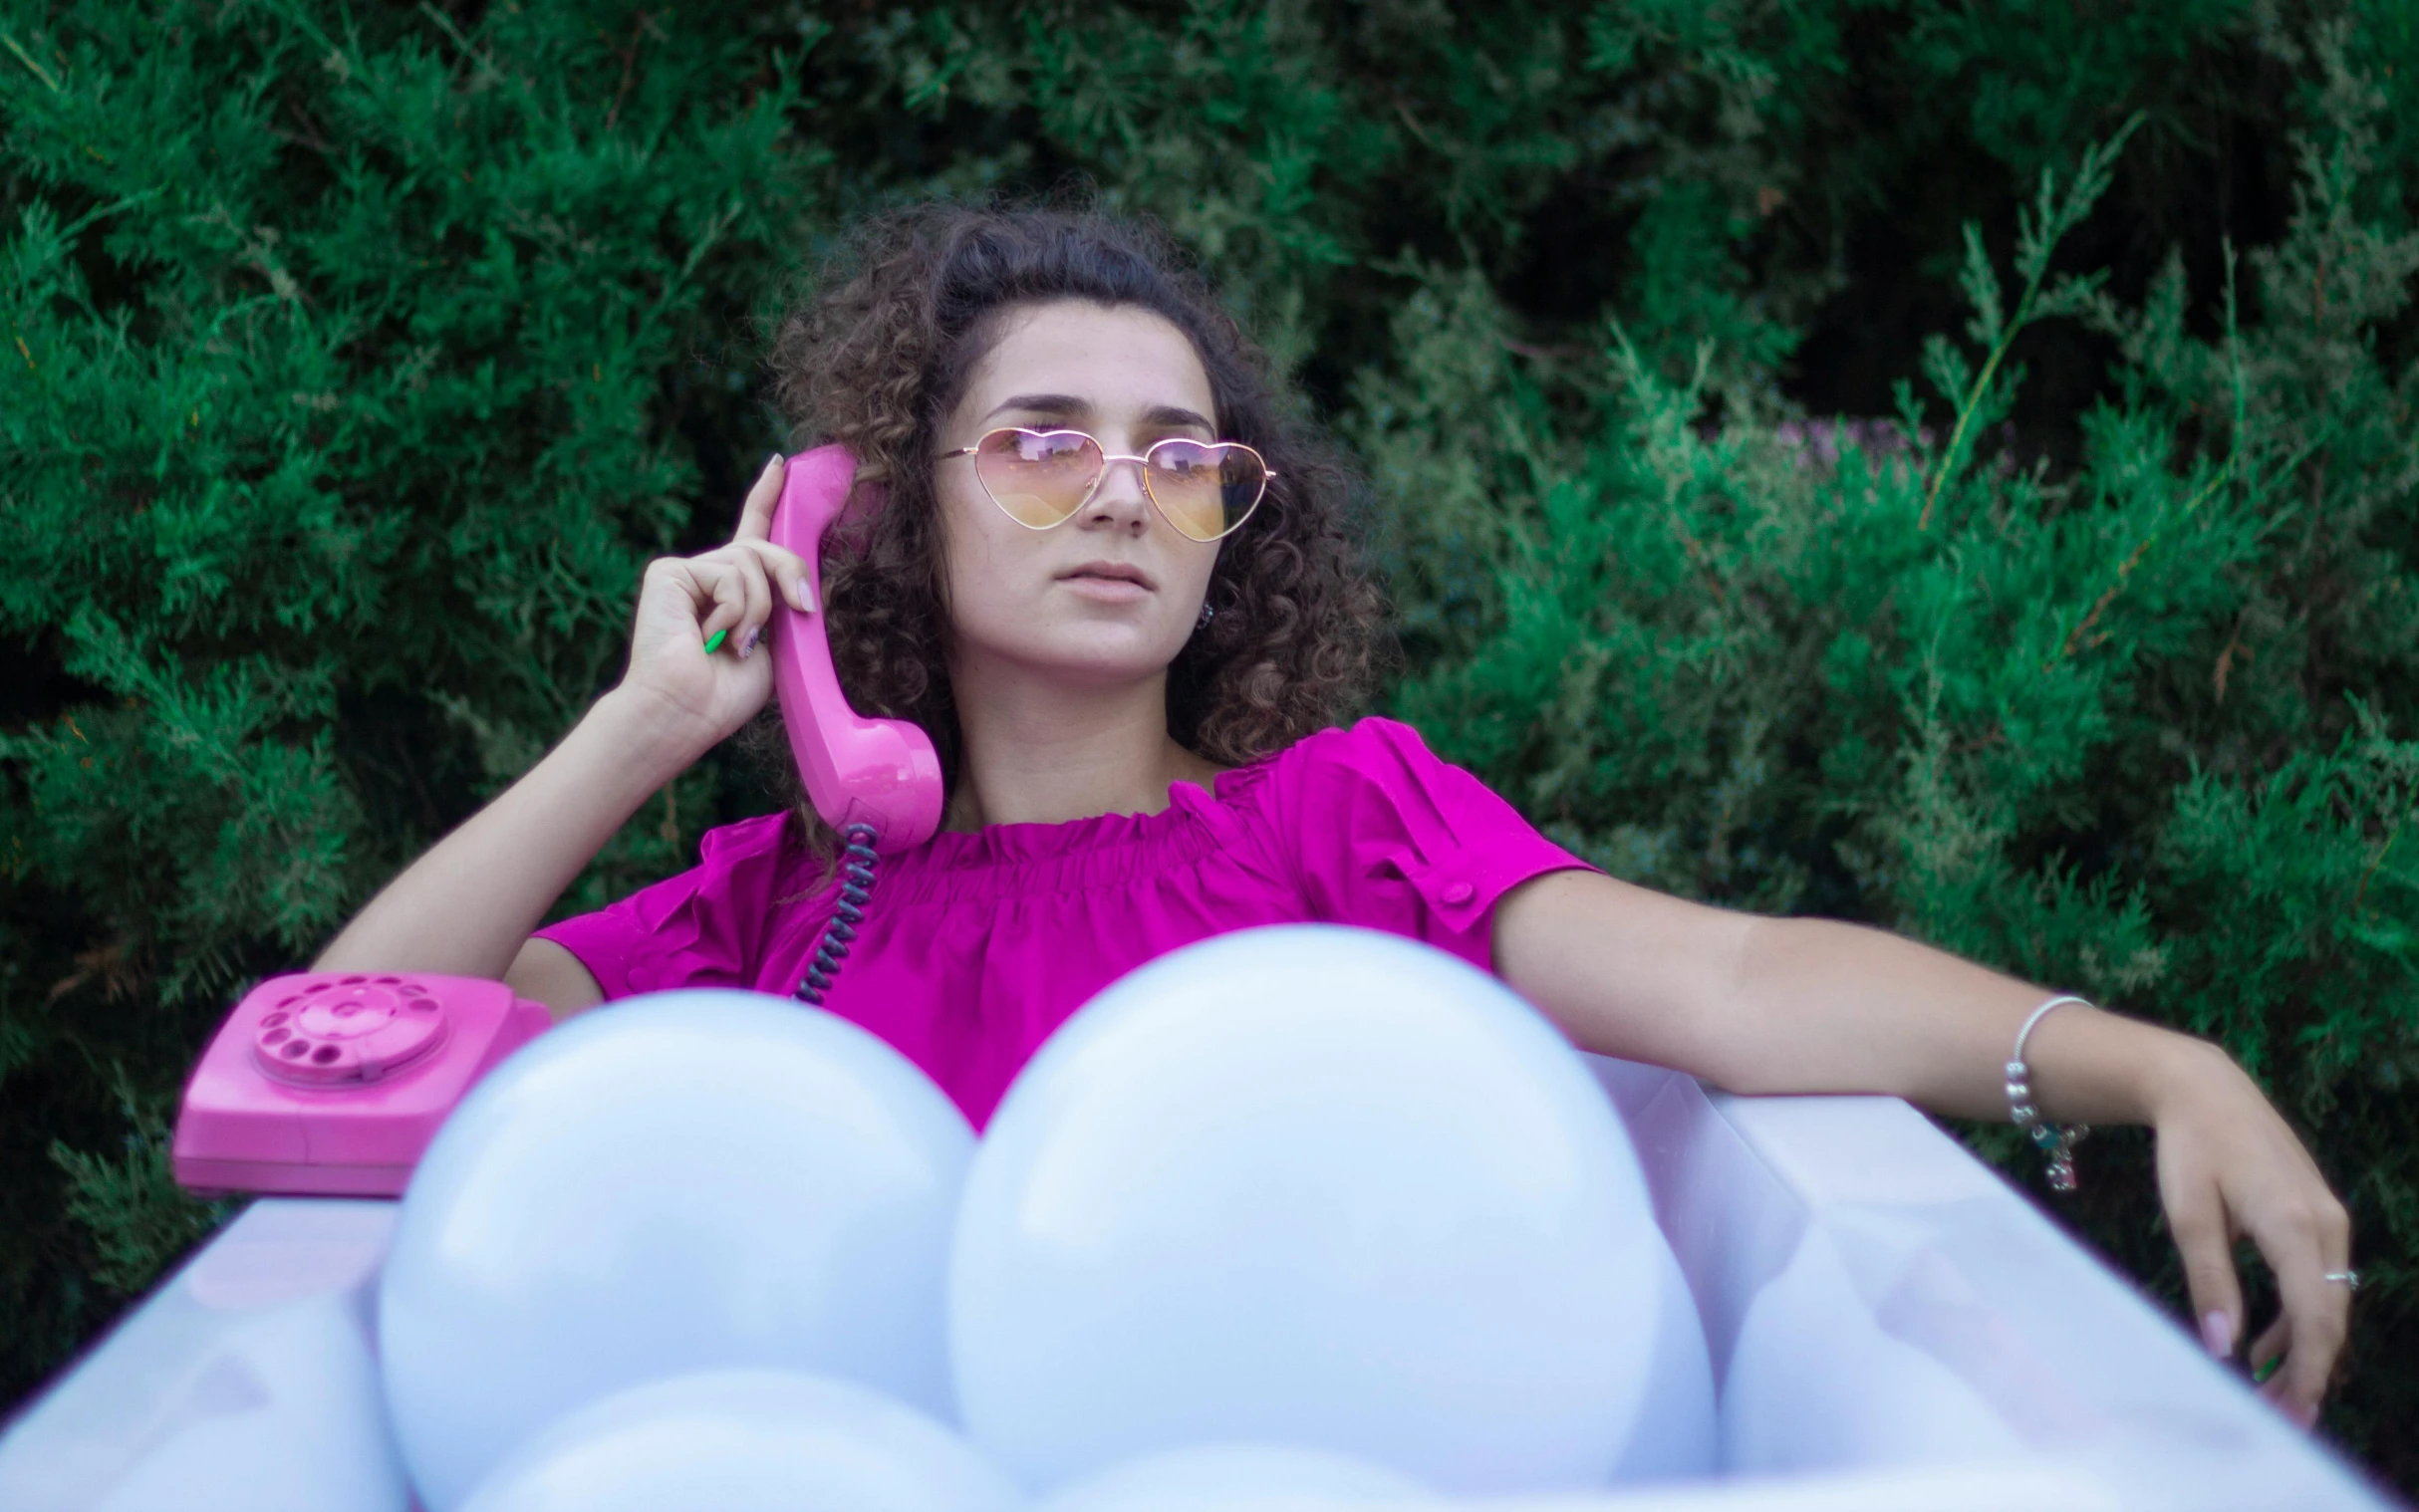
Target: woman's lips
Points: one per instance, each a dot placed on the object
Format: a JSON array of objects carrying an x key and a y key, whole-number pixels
[
  {"x": 1106, "y": 589},
  {"x": 1109, "y": 581}
]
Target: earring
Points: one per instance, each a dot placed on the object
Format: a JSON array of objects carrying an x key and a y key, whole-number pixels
[{"x": 1203, "y": 622}]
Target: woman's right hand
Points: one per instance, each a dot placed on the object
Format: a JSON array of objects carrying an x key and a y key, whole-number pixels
[{"x": 685, "y": 601}]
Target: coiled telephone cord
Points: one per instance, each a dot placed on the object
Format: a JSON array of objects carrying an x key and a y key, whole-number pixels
[{"x": 856, "y": 886}]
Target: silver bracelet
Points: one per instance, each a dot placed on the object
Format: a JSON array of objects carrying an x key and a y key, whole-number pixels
[{"x": 2055, "y": 1141}]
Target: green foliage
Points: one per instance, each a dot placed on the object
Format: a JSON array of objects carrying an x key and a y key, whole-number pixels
[
  {"x": 139, "y": 1217},
  {"x": 359, "y": 355},
  {"x": 2102, "y": 728},
  {"x": 350, "y": 376}
]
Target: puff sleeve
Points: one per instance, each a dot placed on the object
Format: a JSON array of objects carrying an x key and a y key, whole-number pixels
[
  {"x": 704, "y": 927},
  {"x": 1385, "y": 835}
]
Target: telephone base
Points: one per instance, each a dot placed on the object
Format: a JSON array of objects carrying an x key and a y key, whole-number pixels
[{"x": 329, "y": 1085}]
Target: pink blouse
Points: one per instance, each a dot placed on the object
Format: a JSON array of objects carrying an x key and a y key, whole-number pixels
[{"x": 975, "y": 946}]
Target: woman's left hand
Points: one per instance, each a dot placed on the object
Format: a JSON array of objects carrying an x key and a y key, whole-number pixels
[
  {"x": 2229, "y": 1167},
  {"x": 1806, "y": 1005}
]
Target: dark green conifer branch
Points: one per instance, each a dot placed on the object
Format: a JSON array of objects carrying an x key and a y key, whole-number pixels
[{"x": 2038, "y": 231}]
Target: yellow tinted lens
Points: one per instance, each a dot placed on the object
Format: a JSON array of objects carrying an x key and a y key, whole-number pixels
[
  {"x": 1204, "y": 490},
  {"x": 1039, "y": 477}
]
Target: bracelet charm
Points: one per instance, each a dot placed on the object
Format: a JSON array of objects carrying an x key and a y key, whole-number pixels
[{"x": 2055, "y": 1141}]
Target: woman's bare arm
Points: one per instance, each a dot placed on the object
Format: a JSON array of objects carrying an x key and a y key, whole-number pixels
[
  {"x": 1772, "y": 1005},
  {"x": 1762, "y": 1005},
  {"x": 466, "y": 907}
]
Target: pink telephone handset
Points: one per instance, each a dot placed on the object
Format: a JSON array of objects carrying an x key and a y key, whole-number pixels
[
  {"x": 332, "y": 1084},
  {"x": 881, "y": 773}
]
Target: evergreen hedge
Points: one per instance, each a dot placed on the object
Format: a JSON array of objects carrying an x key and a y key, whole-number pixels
[{"x": 1950, "y": 465}]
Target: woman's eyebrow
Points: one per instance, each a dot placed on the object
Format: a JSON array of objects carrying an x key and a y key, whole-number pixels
[
  {"x": 1061, "y": 404},
  {"x": 1176, "y": 415},
  {"x": 1069, "y": 406}
]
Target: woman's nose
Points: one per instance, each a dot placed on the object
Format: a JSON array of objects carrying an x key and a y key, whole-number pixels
[{"x": 1118, "y": 499}]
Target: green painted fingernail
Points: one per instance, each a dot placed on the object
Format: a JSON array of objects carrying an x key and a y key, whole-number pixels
[
  {"x": 2268, "y": 1370},
  {"x": 713, "y": 642}
]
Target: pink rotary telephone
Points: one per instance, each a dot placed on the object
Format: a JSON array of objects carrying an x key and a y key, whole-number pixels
[{"x": 333, "y": 1084}]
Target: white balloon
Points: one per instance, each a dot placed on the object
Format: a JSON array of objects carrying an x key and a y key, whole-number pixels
[
  {"x": 1307, "y": 1185},
  {"x": 687, "y": 1181},
  {"x": 746, "y": 1441},
  {"x": 1242, "y": 1478}
]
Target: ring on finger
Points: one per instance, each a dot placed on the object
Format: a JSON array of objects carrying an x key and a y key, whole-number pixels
[{"x": 2348, "y": 1280}]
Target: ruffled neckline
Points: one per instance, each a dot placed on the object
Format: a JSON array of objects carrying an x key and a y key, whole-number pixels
[{"x": 1013, "y": 845}]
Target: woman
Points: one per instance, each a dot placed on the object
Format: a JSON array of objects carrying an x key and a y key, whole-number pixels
[{"x": 1131, "y": 698}]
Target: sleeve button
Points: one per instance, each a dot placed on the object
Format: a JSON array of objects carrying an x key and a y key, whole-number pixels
[{"x": 1458, "y": 893}]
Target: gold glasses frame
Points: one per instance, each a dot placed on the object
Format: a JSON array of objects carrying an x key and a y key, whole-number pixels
[{"x": 1109, "y": 460}]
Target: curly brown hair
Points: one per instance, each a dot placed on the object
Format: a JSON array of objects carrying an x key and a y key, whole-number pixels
[{"x": 909, "y": 306}]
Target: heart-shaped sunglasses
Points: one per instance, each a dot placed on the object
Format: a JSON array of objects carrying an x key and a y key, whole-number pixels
[{"x": 1206, "y": 489}]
